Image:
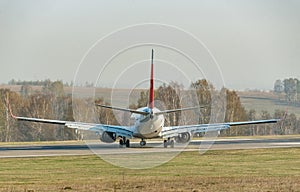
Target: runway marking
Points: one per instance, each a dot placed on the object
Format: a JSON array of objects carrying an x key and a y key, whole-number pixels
[{"x": 287, "y": 143}]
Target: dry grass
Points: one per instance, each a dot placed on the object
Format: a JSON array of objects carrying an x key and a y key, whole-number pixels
[
  {"x": 267, "y": 101},
  {"x": 234, "y": 170}
]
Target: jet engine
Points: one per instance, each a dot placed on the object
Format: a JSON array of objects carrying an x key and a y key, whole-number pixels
[
  {"x": 183, "y": 137},
  {"x": 108, "y": 137}
]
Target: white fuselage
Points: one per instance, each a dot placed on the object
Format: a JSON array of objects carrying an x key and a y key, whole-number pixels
[{"x": 148, "y": 126}]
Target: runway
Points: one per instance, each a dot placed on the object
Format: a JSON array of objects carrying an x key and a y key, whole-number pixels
[{"x": 89, "y": 148}]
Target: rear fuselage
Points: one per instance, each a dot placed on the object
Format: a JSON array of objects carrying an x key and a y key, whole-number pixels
[{"x": 148, "y": 126}]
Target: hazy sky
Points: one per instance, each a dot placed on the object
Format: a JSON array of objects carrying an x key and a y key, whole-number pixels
[{"x": 254, "y": 42}]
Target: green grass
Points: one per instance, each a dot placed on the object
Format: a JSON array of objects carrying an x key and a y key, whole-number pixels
[{"x": 233, "y": 170}]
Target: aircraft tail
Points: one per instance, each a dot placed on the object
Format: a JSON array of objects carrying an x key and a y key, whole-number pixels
[
  {"x": 151, "y": 90},
  {"x": 151, "y": 99}
]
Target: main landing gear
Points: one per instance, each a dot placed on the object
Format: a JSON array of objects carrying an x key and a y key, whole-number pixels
[
  {"x": 123, "y": 141},
  {"x": 169, "y": 142}
]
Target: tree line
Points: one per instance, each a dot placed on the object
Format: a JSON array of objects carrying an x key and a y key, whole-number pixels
[
  {"x": 51, "y": 102},
  {"x": 229, "y": 107},
  {"x": 290, "y": 87},
  {"x": 47, "y": 82}
]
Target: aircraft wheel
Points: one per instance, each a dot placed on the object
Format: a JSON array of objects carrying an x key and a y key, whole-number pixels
[
  {"x": 172, "y": 143},
  {"x": 127, "y": 143},
  {"x": 165, "y": 143},
  {"x": 143, "y": 143},
  {"x": 121, "y": 142}
]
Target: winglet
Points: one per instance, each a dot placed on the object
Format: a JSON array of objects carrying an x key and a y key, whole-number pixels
[
  {"x": 283, "y": 118},
  {"x": 9, "y": 107},
  {"x": 285, "y": 114},
  {"x": 151, "y": 90}
]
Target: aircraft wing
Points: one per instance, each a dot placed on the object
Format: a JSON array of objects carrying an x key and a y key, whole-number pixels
[
  {"x": 122, "y": 131},
  {"x": 174, "y": 131}
]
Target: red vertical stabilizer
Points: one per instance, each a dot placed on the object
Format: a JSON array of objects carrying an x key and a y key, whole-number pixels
[{"x": 151, "y": 90}]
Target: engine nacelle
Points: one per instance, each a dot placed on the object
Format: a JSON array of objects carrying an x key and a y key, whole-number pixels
[
  {"x": 183, "y": 137},
  {"x": 108, "y": 137}
]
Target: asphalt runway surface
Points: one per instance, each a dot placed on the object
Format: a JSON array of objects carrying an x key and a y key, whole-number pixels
[{"x": 82, "y": 148}]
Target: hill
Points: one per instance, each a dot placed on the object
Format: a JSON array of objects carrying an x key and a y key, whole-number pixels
[{"x": 268, "y": 101}]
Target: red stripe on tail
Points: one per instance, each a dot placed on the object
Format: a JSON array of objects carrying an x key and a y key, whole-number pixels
[{"x": 151, "y": 90}]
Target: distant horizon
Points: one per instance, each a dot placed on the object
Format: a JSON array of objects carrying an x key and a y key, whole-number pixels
[{"x": 90, "y": 84}]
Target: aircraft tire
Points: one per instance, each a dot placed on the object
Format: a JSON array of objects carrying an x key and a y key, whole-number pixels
[
  {"x": 172, "y": 143},
  {"x": 165, "y": 143},
  {"x": 142, "y": 143},
  {"x": 121, "y": 142},
  {"x": 127, "y": 143}
]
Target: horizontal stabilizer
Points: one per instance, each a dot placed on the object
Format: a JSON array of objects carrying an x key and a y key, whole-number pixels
[
  {"x": 124, "y": 109},
  {"x": 176, "y": 110},
  {"x": 147, "y": 113}
]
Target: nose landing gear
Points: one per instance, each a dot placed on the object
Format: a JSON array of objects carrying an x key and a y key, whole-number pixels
[{"x": 142, "y": 142}]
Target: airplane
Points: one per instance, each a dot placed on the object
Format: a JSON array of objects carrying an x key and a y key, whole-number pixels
[{"x": 148, "y": 124}]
